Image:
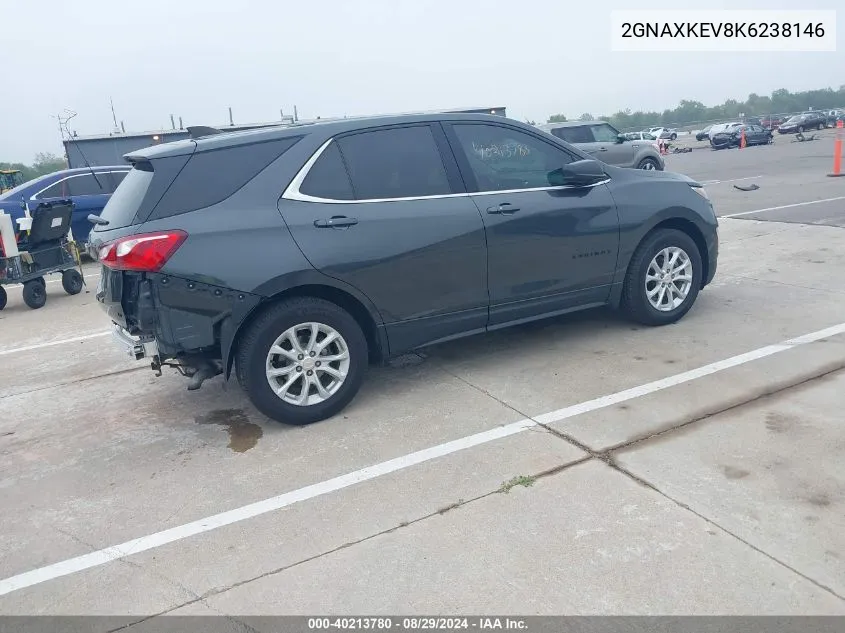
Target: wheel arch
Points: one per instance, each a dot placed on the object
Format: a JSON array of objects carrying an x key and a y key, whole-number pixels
[
  {"x": 364, "y": 315},
  {"x": 679, "y": 223}
]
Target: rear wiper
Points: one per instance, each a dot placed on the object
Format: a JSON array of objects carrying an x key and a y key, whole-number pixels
[{"x": 96, "y": 219}]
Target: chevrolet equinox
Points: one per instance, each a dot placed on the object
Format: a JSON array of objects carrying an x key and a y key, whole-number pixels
[{"x": 299, "y": 255}]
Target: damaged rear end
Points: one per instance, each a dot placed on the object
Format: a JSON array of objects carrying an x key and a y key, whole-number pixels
[{"x": 169, "y": 215}]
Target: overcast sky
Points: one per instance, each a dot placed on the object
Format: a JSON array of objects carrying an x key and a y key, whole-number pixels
[{"x": 195, "y": 58}]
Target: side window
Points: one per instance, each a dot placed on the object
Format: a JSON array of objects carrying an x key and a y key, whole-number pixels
[
  {"x": 502, "y": 158},
  {"x": 395, "y": 163},
  {"x": 56, "y": 190},
  {"x": 328, "y": 177},
  {"x": 87, "y": 185},
  {"x": 575, "y": 134},
  {"x": 604, "y": 134}
]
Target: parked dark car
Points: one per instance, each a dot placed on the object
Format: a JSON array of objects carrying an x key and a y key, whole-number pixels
[
  {"x": 732, "y": 136},
  {"x": 803, "y": 122},
  {"x": 704, "y": 134},
  {"x": 89, "y": 189},
  {"x": 299, "y": 254}
]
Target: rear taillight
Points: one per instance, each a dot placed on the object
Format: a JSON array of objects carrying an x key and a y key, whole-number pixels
[{"x": 144, "y": 253}]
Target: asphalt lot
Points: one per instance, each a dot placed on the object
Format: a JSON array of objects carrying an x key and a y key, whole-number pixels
[{"x": 580, "y": 465}]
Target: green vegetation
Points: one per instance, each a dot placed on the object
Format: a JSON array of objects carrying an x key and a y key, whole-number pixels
[
  {"x": 521, "y": 480},
  {"x": 780, "y": 102},
  {"x": 45, "y": 163}
]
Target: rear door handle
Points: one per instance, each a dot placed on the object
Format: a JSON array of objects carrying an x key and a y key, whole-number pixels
[
  {"x": 506, "y": 208},
  {"x": 335, "y": 222}
]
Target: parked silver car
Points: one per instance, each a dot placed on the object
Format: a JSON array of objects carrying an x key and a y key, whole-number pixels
[{"x": 602, "y": 140}]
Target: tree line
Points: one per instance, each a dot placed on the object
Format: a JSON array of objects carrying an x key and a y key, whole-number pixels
[
  {"x": 44, "y": 163},
  {"x": 781, "y": 101}
]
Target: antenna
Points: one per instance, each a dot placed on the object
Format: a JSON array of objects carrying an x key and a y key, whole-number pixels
[{"x": 113, "y": 115}]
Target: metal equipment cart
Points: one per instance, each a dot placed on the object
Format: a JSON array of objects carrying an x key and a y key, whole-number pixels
[{"x": 45, "y": 249}]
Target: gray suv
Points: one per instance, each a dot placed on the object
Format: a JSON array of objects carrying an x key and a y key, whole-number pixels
[
  {"x": 604, "y": 142},
  {"x": 297, "y": 256}
]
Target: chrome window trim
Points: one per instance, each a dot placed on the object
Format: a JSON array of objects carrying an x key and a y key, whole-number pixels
[
  {"x": 292, "y": 191},
  {"x": 87, "y": 173}
]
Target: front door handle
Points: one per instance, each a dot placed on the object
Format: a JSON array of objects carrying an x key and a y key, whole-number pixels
[
  {"x": 335, "y": 222},
  {"x": 506, "y": 208},
  {"x": 602, "y": 149}
]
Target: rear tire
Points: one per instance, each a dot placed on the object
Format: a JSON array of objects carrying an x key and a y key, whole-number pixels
[
  {"x": 72, "y": 282},
  {"x": 3, "y": 297},
  {"x": 648, "y": 258},
  {"x": 800, "y": 129},
  {"x": 289, "y": 321},
  {"x": 821, "y": 126},
  {"x": 673, "y": 137},
  {"x": 34, "y": 294}
]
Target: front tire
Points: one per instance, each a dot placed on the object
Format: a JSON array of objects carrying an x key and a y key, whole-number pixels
[
  {"x": 663, "y": 278},
  {"x": 34, "y": 294},
  {"x": 302, "y": 361},
  {"x": 821, "y": 126},
  {"x": 3, "y": 297},
  {"x": 649, "y": 164}
]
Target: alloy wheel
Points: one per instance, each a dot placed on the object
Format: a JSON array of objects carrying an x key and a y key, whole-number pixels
[
  {"x": 307, "y": 364},
  {"x": 668, "y": 279}
]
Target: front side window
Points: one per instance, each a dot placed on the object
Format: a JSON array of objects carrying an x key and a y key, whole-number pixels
[
  {"x": 502, "y": 158},
  {"x": 394, "y": 163},
  {"x": 604, "y": 133},
  {"x": 56, "y": 190}
]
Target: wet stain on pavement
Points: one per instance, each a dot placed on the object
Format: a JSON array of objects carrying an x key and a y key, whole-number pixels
[
  {"x": 779, "y": 422},
  {"x": 732, "y": 472},
  {"x": 819, "y": 499},
  {"x": 243, "y": 434}
]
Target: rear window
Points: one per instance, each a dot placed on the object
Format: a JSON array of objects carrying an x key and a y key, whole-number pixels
[
  {"x": 122, "y": 207},
  {"x": 573, "y": 134},
  {"x": 211, "y": 176}
]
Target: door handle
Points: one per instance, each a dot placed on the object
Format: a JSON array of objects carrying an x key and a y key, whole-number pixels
[
  {"x": 503, "y": 209},
  {"x": 335, "y": 222},
  {"x": 602, "y": 149}
]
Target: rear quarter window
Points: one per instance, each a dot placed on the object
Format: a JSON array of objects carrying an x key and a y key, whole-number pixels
[{"x": 211, "y": 176}]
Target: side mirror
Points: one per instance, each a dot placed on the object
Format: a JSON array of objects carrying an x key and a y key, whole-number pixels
[
  {"x": 581, "y": 173},
  {"x": 620, "y": 138}
]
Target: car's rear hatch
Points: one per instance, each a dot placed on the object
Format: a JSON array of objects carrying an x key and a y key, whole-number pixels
[{"x": 121, "y": 292}]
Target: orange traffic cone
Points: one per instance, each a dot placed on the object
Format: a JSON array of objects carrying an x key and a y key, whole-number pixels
[
  {"x": 742, "y": 139},
  {"x": 837, "y": 152}
]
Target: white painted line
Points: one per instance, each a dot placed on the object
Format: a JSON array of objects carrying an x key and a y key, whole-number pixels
[
  {"x": 785, "y": 206},
  {"x": 75, "y": 339},
  {"x": 55, "y": 281},
  {"x": 716, "y": 182},
  {"x": 152, "y": 541}
]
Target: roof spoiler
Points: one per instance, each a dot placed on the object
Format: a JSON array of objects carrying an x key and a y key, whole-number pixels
[{"x": 198, "y": 131}]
